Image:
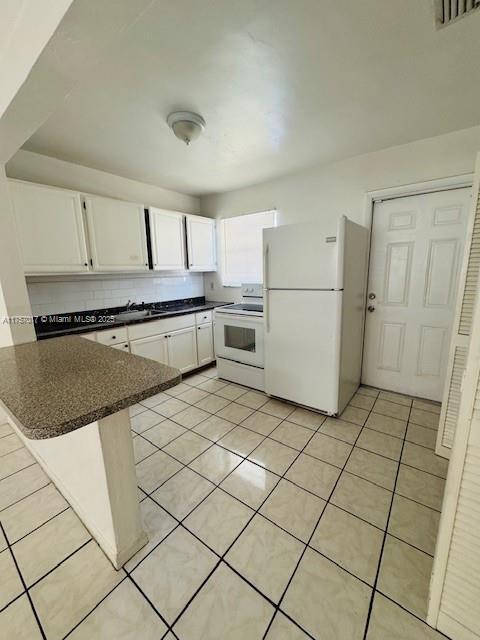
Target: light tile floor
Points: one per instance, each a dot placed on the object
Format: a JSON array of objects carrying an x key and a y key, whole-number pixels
[{"x": 264, "y": 521}]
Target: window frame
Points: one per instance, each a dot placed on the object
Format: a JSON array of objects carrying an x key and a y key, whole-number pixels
[{"x": 223, "y": 243}]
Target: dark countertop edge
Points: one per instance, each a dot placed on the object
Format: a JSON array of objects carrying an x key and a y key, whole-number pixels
[
  {"x": 208, "y": 306},
  {"x": 82, "y": 421}
]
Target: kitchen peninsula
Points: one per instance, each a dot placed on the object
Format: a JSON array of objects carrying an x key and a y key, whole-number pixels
[{"x": 68, "y": 400}]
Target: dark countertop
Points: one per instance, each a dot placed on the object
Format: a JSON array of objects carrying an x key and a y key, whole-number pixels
[
  {"x": 64, "y": 324},
  {"x": 55, "y": 386}
]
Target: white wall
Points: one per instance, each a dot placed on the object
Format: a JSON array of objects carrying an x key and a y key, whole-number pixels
[
  {"x": 26, "y": 165},
  {"x": 340, "y": 188},
  {"x": 56, "y": 295},
  {"x": 13, "y": 291}
]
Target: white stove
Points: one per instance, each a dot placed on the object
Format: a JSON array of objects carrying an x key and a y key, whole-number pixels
[{"x": 239, "y": 339}]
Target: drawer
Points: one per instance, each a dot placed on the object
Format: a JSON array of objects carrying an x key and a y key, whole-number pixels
[
  {"x": 123, "y": 346},
  {"x": 156, "y": 327},
  {"x": 203, "y": 316},
  {"x": 112, "y": 336},
  {"x": 89, "y": 336}
]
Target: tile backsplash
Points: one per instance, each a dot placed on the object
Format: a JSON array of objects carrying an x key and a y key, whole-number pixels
[{"x": 95, "y": 292}]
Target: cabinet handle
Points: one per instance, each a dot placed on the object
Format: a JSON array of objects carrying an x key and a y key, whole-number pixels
[{"x": 86, "y": 264}]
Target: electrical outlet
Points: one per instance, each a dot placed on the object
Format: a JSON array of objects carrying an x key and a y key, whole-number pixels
[{"x": 212, "y": 286}]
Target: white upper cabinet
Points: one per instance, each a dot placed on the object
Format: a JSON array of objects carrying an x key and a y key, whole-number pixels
[
  {"x": 50, "y": 229},
  {"x": 117, "y": 234},
  {"x": 167, "y": 236},
  {"x": 201, "y": 244}
]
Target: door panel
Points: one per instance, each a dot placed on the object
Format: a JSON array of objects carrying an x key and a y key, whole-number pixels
[
  {"x": 416, "y": 252},
  {"x": 312, "y": 247},
  {"x": 153, "y": 347},
  {"x": 50, "y": 229},
  {"x": 168, "y": 239},
  {"x": 117, "y": 235},
  {"x": 201, "y": 244},
  {"x": 182, "y": 349},
  {"x": 298, "y": 365},
  {"x": 205, "y": 343}
]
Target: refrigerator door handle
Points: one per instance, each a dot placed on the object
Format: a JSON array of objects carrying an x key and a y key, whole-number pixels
[
  {"x": 265, "y": 310},
  {"x": 265, "y": 266},
  {"x": 265, "y": 288}
]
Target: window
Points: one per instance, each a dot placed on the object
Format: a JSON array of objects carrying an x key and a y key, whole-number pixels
[{"x": 241, "y": 246}]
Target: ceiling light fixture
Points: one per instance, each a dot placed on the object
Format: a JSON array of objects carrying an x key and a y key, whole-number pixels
[{"x": 187, "y": 126}]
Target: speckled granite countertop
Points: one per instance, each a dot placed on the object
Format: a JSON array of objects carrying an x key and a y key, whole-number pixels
[{"x": 55, "y": 386}]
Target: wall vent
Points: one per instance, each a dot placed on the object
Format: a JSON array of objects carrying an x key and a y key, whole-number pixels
[{"x": 448, "y": 11}]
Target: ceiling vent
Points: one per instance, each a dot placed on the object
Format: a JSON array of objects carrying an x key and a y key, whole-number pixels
[{"x": 448, "y": 11}]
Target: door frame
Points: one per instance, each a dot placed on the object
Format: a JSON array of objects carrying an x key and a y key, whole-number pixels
[{"x": 464, "y": 180}]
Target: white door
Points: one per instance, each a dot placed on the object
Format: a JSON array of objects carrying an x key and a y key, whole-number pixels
[
  {"x": 201, "y": 244},
  {"x": 50, "y": 228},
  {"x": 182, "y": 349},
  {"x": 153, "y": 347},
  {"x": 205, "y": 343},
  {"x": 302, "y": 347},
  {"x": 167, "y": 232},
  {"x": 117, "y": 234},
  {"x": 416, "y": 253},
  {"x": 303, "y": 256}
]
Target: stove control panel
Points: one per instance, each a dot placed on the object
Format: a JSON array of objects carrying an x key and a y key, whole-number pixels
[{"x": 252, "y": 290}]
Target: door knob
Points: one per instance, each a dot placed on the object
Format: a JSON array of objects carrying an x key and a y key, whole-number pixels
[{"x": 370, "y": 308}]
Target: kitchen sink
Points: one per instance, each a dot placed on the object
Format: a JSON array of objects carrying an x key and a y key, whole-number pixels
[{"x": 136, "y": 315}]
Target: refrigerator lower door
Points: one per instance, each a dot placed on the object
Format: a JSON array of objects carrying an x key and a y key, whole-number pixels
[{"x": 302, "y": 347}]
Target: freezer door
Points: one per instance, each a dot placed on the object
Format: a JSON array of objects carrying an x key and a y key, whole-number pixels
[
  {"x": 303, "y": 256},
  {"x": 302, "y": 347}
]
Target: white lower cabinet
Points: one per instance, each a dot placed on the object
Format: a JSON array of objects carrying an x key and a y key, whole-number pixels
[
  {"x": 205, "y": 344},
  {"x": 177, "y": 349},
  {"x": 122, "y": 347},
  {"x": 179, "y": 342},
  {"x": 153, "y": 347},
  {"x": 182, "y": 349}
]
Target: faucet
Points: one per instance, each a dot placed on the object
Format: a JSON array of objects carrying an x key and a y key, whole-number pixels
[{"x": 129, "y": 306}]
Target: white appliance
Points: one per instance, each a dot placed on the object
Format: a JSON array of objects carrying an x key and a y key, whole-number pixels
[
  {"x": 239, "y": 347},
  {"x": 314, "y": 298}
]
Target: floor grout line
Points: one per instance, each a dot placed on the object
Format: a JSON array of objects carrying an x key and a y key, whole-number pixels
[
  {"x": 380, "y": 558},
  {"x": 255, "y": 512},
  {"x": 26, "y": 592},
  {"x": 307, "y": 546}
]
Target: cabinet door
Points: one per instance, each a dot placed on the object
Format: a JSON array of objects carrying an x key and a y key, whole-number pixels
[
  {"x": 167, "y": 232},
  {"x": 201, "y": 244},
  {"x": 182, "y": 349},
  {"x": 50, "y": 228},
  {"x": 153, "y": 347},
  {"x": 205, "y": 343},
  {"x": 117, "y": 235}
]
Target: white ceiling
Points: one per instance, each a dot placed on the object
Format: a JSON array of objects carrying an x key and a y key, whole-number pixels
[{"x": 282, "y": 85}]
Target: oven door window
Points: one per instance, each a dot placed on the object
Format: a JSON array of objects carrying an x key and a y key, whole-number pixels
[{"x": 242, "y": 338}]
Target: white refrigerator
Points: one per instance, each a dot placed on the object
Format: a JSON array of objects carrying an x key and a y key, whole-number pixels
[{"x": 314, "y": 302}]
